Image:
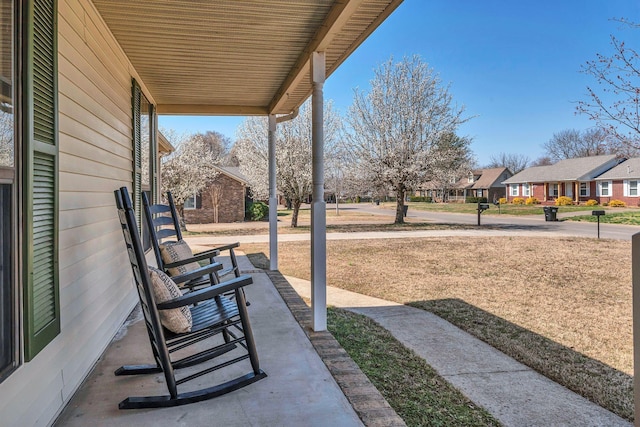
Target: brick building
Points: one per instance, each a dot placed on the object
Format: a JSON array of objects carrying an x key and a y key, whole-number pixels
[{"x": 223, "y": 200}]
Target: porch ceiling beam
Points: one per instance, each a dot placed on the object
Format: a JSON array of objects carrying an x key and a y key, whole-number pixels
[
  {"x": 212, "y": 110},
  {"x": 339, "y": 15}
]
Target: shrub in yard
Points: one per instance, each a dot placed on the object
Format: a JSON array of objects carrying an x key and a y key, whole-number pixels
[
  {"x": 503, "y": 201},
  {"x": 532, "y": 201},
  {"x": 617, "y": 204},
  {"x": 420, "y": 199},
  {"x": 518, "y": 201},
  {"x": 591, "y": 202},
  {"x": 475, "y": 200},
  {"x": 258, "y": 211},
  {"x": 564, "y": 201}
]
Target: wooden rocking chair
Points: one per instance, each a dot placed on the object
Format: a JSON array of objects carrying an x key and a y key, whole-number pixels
[
  {"x": 162, "y": 223},
  {"x": 224, "y": 322}
]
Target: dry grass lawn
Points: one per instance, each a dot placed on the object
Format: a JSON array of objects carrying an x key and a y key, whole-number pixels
[{"x": 560, "y": 305}]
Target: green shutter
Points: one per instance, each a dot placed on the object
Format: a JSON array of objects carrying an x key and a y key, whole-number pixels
[
  {"x": 40, "y": 195},
  {"x": 136, "y": 99}
]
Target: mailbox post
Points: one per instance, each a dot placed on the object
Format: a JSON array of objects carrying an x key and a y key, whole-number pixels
[
  {"x": 597, "y": 214},
  {"x": 481, "y": 208}
]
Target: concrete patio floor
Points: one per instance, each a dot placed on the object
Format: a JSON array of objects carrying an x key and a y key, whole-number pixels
[{"x": 299, "y": 390}]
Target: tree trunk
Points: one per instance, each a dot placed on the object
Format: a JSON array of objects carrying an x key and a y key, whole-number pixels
[
  {"x": 183, "y": 225},
  {"x": 399, "y": 206},
  {"x": 296, "y": 209}
]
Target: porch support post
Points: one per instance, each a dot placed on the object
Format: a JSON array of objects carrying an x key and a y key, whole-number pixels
[
  {"x": 318, "y": 208},
  {"x": 273, "y": 198},
  {"x": 635, "y": 275}
]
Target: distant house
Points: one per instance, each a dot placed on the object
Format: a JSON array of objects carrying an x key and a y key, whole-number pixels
[
  {"x": 223, "y": 200},
  {"x": 620, "y": 183},
  {"x": 574, "y": 178},
  {"x": 489, "y": 183},
  {"x": 479, "y": 183}
]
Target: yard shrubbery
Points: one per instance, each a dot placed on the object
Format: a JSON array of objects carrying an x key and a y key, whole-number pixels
[
  {"x": 503, "y": 201},
  {"x": 476, "y": 200},
  {"x": 564, "y": 201},
  {"x": 518, "y": 201},
  {"x": 617, "y": 204},
  {"x": 258, "y": 211},
  {"x": 591, "y": 202},
  {"x": 532, "y": 201},
  {"x": 420, "y": 199}
]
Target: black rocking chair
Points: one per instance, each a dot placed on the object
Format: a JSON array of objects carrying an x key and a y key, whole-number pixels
[
  {"x": 162, "y": 222},
  {"x": 215, "y": 317}
]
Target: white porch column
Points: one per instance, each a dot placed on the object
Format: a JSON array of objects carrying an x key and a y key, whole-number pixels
[
  {"x": 273, "y": 197},
  {"x": 318, "y": 208}
]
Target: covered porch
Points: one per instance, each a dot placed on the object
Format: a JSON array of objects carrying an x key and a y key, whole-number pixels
[{"x": 311, "y": 381}]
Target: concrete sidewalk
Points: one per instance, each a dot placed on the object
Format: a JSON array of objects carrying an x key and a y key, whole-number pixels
[{"x": 513, "y": 393}]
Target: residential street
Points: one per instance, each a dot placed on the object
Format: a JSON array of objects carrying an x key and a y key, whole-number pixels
[{"x": 510, "y": 223}]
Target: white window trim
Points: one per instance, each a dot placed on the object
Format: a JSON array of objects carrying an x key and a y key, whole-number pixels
[
  {"x": 526, "y": 190},
  {"x": 513, "y": 189},
  {"x": 588, "y": 189},
  {"x": 599, "y": 189},
  {"x": 627, "y": 187},
  {"x": 554, "y": 189}
]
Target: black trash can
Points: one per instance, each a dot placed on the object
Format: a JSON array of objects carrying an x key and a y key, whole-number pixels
[
  {"x": 550, "y": 213},
  {"x": 404, "y": 210}
]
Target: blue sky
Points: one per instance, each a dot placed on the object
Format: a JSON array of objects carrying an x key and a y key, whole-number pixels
[{"x": 515, "y": 65}]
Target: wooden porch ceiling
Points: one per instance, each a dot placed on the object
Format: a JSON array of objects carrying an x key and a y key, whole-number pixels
[{"x": 229, "y": 57}]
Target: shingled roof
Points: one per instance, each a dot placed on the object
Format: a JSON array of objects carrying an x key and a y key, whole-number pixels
[
  {"x": 629, "y": 169},
  {"x": 578, "y": 169},
  {"x": 490, "y": 178}
]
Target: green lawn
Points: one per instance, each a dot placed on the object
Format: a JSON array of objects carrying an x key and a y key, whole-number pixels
[
  {"x": 493, "y": 210},
  {"x": 414, "y": 390},
  {"x": 626, "y": 218}
]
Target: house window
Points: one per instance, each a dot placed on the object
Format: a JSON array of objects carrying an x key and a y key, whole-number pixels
[
  {"x": 190, "y": 203},
  {"x": 604, "y": 188},
  {"x": 513, "y": 188},
  {"x": 526, "y": 190},
  {"x": 553, "y": 190},
  {"x": 584, "y": 189},
  {"x": 631, "y": 188}
]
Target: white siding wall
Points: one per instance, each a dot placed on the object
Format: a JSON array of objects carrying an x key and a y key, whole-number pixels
[{"x": 96, "y": 291}]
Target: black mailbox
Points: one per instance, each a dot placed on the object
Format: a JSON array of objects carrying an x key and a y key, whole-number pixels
[
  {"x": 483, "y": 206},
  {"x": 598, "y": 214}
]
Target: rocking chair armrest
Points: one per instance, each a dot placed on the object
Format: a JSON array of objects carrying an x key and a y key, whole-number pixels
[
  {"x": 206, "y": 293},
  {"x": 194, "y": 274},
  {"x": 228, "y": 247},
  {"x": 197, "y": 257}
]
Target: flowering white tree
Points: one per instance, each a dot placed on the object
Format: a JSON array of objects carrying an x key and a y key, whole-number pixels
[
  {"x": 189, "y": 169},
  {"x": 395, "y": 126},
  {"x": 293, "y": 154}
]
